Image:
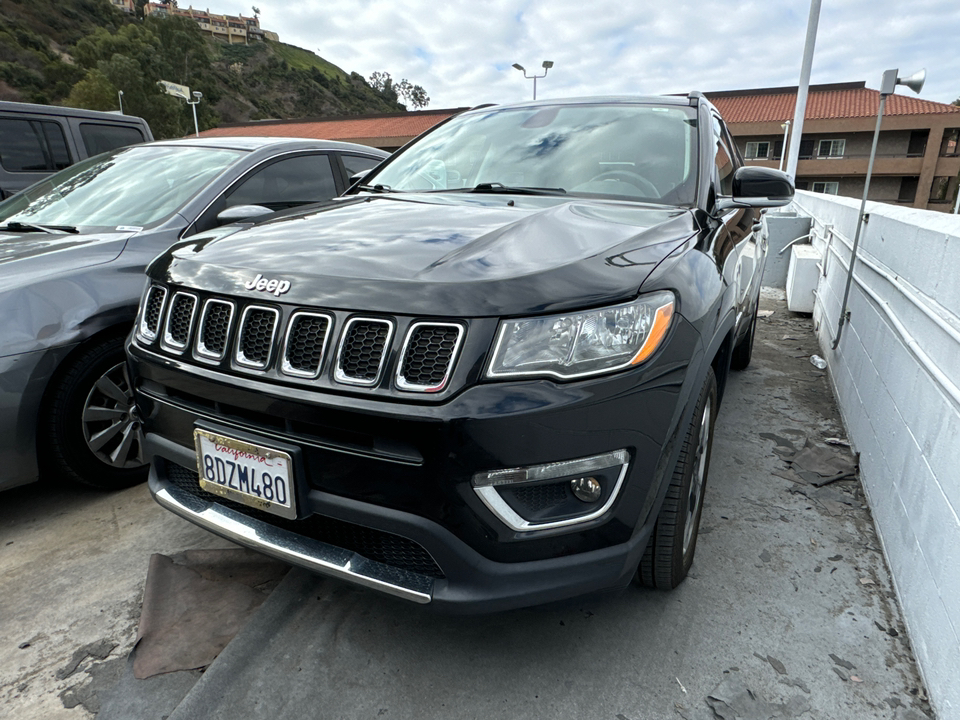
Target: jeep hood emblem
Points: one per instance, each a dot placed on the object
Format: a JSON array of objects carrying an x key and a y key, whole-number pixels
[{"x": 277, "y": 287}]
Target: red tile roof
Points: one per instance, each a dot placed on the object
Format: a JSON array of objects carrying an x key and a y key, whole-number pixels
[
  {"x": 403, "y": 125},
  {"x": 824, "y": 102}
]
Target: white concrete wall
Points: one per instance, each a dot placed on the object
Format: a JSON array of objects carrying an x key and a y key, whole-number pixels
[{"x": 896, "y": 373}]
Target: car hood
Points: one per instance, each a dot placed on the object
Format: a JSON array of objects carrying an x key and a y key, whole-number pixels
[
  {"x": 27, "y": 256},
  {"x": 441, "y": 255}
]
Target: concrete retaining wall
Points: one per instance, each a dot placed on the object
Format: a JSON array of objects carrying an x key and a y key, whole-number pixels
[{"x": 896, "y": 374}]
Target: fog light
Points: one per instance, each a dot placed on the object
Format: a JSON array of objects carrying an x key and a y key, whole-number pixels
[{"x": 586, "y": 489}]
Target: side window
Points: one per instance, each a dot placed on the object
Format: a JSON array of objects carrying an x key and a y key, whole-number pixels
[
  {"x": 32, "y": 146},
  {"x": 287, "y": 183},
  {"x": 99, "y": 138},
  {"x": 354, "y": 164},
  {"x": 724, "y": 160}
]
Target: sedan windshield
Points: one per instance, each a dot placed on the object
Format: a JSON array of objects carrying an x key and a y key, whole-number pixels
[
  {"x": 136, "y": 187},
  {"x": 625, "y": 151}
]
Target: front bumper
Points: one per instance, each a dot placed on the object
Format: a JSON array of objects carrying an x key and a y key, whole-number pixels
[{"x": 404, "y": 470}]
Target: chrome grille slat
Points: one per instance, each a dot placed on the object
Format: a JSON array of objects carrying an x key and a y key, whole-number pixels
[
  {"x": 305, "y": 344},
  {"x": 213, "y": 330},
  {"x": 363, "y": 351},
  {"x": 152, "y": 312},
  {"x": 180, "y": 316},
  {"x": 428, "y": 356},
  {"x": 258, "y": 327}
]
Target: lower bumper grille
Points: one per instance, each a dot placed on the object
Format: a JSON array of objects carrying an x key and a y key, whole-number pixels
[{"x": 383, "y": 547}]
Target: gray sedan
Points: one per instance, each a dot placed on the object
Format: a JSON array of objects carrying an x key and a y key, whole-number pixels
[{"x": 73, "y": 249}]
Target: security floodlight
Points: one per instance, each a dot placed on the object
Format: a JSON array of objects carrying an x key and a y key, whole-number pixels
[
  {"x": 197, "y": 94},
  {"x": 888, "y": 84},
  {"x": 547, "y": 64},
  {"x": 193, "y": 106}
]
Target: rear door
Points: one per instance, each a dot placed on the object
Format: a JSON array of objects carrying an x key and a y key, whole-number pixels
[{"x": 30, "y": 149}]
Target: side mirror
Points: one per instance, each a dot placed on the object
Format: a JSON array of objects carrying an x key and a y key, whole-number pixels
[
  {"x": 758, "y": 187},
  {"x": 239, "y": 213},
  {"x": 357, "y": 177}
]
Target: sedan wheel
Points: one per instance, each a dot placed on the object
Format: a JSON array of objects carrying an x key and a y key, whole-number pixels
[
  {"x": 90, "y": 432},
  {"x": 111, "y": 426}
]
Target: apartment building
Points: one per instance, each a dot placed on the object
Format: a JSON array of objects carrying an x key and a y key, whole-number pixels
[
  {"x": 126, "y": 6},
  {"x": 918, "y": 157},
  {"x": 228, "y": 28}
]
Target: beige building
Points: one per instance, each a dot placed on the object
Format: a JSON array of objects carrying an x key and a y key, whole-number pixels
[
  {"x": 126, "y": 6},
  {"x": 228, "y": 28},
  {"x": 918, "y": 158}
]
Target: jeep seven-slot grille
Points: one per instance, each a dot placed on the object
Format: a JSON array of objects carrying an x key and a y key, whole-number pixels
[
  {"x": 150, "y": 325},
  {"x": 256, "y": 336},
  {"x": 214, "y": 329},
  {"x": 306, "y": 339},
  {"x": 362, "y": 351},
  {"x": 387, "y": 548},
  {"x": 428, "y": 356},
  {"x": 297, "y": 342},
  {"x": 179, "y": 320}
]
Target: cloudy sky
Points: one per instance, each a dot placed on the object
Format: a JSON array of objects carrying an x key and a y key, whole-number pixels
[{"x": 462, "y": 52}]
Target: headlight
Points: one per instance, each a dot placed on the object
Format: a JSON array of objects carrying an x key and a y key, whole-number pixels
[{"x": 585, "y": 343}]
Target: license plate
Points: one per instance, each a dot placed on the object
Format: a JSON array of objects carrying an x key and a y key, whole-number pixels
[{"x": 258, "y": 476}]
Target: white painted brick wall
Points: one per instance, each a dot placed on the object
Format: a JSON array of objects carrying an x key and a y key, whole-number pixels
[{"x": 905, "y": 424}]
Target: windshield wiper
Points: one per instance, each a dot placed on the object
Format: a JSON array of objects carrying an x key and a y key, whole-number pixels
[
  {"x": 495, "y": 187},
  {"x": 30, "y": 227},
  {"x": 377, "y": 188}
]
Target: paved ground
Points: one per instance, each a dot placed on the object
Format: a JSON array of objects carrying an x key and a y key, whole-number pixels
[{"x": 788, "y": 612}]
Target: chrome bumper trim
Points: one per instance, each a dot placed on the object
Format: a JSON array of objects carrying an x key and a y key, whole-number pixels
[{"x": 305, "y": 552}]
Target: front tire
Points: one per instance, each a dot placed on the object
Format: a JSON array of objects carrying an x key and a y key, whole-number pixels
[
  {"x": 670, "y": 550},
  {"x": 90, "y": 431},
  {"x": 743, "y": 352}
]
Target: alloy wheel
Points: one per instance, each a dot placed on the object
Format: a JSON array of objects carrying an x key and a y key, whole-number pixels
[{"x": 111, "y": 425}]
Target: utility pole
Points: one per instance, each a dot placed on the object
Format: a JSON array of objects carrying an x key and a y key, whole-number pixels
[{"x": 801, "y": 110}]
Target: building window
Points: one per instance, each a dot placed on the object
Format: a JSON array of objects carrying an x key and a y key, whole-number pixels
[
  {"x": 951, "y": 142},
  {"x": 918, "y": 143},
  {"x": 908, "y": 189},
  {"x": 777, "y": 150},
  {"x": 828, "y": 188},
  {"x": 831, "y": 148},
  {"x": 943, "y": 189},
  {"x": 757, "y": 150}
]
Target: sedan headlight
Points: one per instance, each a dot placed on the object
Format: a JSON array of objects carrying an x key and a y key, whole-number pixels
[{"x": 586, "y": 343}]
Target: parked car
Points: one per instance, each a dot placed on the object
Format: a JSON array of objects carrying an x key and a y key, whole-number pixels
[
  {"x": 72, "y": 253},
  {"x": 38, "y": 140},
  {"x": 485, "y": 378}
]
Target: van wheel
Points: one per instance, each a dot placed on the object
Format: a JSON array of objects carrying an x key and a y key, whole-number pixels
[
  {"x": 670, "y": 550},
  {"x": 91, "y": 431}
]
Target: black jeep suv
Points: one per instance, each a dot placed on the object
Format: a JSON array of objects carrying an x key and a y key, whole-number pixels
[{"x": 488, "y": 375}]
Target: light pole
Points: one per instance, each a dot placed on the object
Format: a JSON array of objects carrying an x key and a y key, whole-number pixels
[
  {"x": 887, "y": 85},
  {"x": 120, "y": 98},
  {"x": 193, "y": 104},
  {"x": 547, "y": 64},
  {"x": 783, "y": 150}
]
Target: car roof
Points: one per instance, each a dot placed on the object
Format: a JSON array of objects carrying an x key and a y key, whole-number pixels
[
  {"x": 678, "y": 100},
  {"x": 258, "y": 143},
  {"x": 55, "y": 110}
]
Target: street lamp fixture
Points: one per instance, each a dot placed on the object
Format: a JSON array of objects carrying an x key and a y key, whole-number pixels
[
  {"x": 193, "y": 105},
  {"x": 547, "y": 64},
  {"x": 888, "y": 84},
  {"x": 120, "y": 98}
]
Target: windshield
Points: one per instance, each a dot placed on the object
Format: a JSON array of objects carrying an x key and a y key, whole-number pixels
[
  {"x": 133, "y": 187},
  {"x": 637, "y": 152}
]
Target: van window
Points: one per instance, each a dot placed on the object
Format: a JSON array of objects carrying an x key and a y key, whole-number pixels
[
  {"x": 32, "y": 146},
  {"x": 99, "y": 138}
]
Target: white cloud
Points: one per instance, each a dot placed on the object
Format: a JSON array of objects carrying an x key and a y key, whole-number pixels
[{"x": 462, "y": 52}]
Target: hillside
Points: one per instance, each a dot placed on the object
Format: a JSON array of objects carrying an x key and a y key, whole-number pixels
[{"x": 80, "y": 53}]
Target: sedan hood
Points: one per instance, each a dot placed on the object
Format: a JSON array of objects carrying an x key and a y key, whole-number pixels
[
  {"x": 25, "y": 257},
  {"x": 440, "y": 255}
]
